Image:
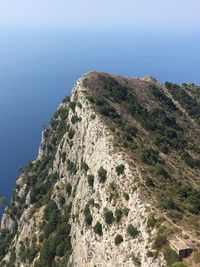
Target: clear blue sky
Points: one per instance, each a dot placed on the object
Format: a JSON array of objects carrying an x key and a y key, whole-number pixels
[{"x": 182, "y": 15}]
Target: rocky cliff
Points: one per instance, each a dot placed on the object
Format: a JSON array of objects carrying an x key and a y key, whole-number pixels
[{"x": 100, "y": 191}]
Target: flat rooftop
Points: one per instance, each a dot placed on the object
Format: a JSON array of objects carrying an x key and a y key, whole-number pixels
[{"x": 179, "y": 244}]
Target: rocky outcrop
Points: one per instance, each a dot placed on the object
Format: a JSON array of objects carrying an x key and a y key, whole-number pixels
[
  {"x": 81, "y": 170},
  {"x": 93, "y": 144}
]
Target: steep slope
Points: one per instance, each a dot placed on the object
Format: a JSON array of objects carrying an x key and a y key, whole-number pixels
[{"x": 116, "y": 177}]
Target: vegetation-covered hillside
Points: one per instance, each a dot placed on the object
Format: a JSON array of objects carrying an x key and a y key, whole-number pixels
[{"x": 159, "y": 125}]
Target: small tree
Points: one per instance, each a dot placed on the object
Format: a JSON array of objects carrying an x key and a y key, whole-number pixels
[
  {"x": 136, "y": 260},
  {"x": 126, "y": 211},
  {"x": 160, "y": 241},
  {"x": 149, "y": 156},
  {"x": 98, "y": 229},
  {"x": 120, "y": 169},
  {"x": 118, "y": 239},
  {"x": 132, "y": 231},
  {"x": 68, "y": 189},
  {"x": 170, "y": 256},
  {"x": 118, "y": 215},
  {"x": 126, "y": 196},
  {"x": 88, "y": 219},
  {"x": 84, "y": 166},
  {"x": 108, "y": 216},
  {"x": 102, "y": 173},
  {"x": 87, "y": 214},
  {"x": 71, "y": 133},
  {"x": 90, "y": 179}
]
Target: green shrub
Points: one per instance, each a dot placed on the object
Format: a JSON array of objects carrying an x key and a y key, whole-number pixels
[
  {"x": 136, "y": 261},
  {"x": 179, "y": 264},
  {"x": 93, "y": 116},
  {"x": 149, "y": 182},
  {"x": 118, "y": 239},
  {"x": 72, "y": 105},
  {"x": 166, "y": 203},
  {"x": 113, "y": 89},
  {"x": 126, "y": 196},
  {"x": 84, "y": 166},
  {"x": 71, "y": 167},
  {"x": 196, "y": 257},
  {"x": 31, "y": 253},
  {"x": 71, "y": 133},
  {"x": 88, "y": 219},
  {"x": 47, "y": 253},
  {"x": 160, "y": 170},
  {"x": 98, "y": 229},
  {"x": 159, "y": 94},
  {"x": 87, "y": 214},
  {"x": 120, "y": 169},
  {"x": 58, "y": 244},
  {"x": 189, "y": 103},
  {"x": 194, "y": 201},
  {"x": 12, "y": 258},
  {"x": 63, "y": 156},
  {"x": 118, "y": 215},
  {"x": 113, "y": 186},
  {"x": 150, "y": 254},
  {"x": 62, "y": 200},
  {"x": 126, "y": 211},
  {"x": 5, "y": 241},
  {"x": 130, "y": 130},
  {"x": 151, "y": 221},
  {"x": 132, "y": 231},
  {"x": 75, "y": 119},
  {"x": 91, "y": 202},
  {"x": 149, "y": 156},
  {"x": 190, "y": 161},
  {"x": 162, "y": 142},
  {"x": 66, "y": 99},
  {"x": 51, "y": 210},
  {"x": 160, "y": 241},
  {"x": 102, "y": 174},
  {"x": 108, "y": 216},
  {"x": 68, "y": 189},
  {"x": 90, "y": 179},
  {"x": 108, "y": 111},
  {"x": 170, "y": 256}
]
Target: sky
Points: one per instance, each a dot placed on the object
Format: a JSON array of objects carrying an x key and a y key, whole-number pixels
[{"x": 157, "y": 15}]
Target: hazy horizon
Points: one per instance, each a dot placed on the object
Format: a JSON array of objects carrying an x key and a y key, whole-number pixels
[{"x": 152, "y": 16}]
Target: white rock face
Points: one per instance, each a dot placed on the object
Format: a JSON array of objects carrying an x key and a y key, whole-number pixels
[
  {"x": 7, "y": 223},
  {"x": 93, "y": 144}
]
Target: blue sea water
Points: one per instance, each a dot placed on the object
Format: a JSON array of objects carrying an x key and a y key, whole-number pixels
[{"x": 39, "y": 68}]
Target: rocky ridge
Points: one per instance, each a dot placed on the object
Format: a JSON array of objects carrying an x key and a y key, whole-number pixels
[{"x": 95, "y": 183}]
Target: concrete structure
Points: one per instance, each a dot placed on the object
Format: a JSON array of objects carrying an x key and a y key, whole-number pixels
[{"x": 180, "y": 247}]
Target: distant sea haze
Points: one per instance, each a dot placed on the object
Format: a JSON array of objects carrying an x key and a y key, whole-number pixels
[{"x": 38, "y": 69}]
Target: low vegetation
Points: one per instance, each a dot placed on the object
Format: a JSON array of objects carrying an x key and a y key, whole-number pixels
[
  {"x": 102, "y": 174},
  {"x": 149, "y": 124},
  {"x": 120, "y": 169},
  {"x": 98, "y": 229},
  {"x": 118, "y": 240},
  {"x": 90, "y": 179},
  {"x": 132, "y": 231},
  {"x": 108, "y": 216}
]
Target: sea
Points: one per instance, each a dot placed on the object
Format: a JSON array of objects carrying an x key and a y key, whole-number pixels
[{"x": 38, "y": 68}]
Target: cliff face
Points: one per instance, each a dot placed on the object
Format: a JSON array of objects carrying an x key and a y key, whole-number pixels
[{"x": 84, "y": 200}]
